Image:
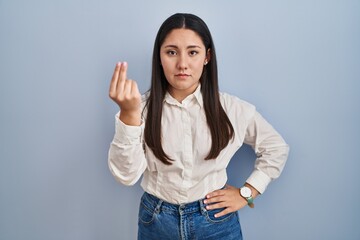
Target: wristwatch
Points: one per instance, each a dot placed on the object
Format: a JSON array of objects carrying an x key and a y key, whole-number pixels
[{"x": 245, "y": 192}]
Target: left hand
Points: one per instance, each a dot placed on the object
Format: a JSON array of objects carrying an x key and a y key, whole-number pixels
[{"x": 228, "y": 198}]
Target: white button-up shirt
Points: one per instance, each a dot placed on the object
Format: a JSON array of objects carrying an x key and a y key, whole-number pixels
[{"x": 186, "y": 139}]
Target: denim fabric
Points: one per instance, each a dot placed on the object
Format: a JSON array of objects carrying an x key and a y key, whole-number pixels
[{"x": 159, "y": 220}]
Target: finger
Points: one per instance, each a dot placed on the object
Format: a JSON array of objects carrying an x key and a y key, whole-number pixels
[
  {"x": 114, "y": 80},
  {"x": 223, "y": 212},
  {"x": 215, "y": 199},
  {"x": 216, "y": 205},
  {"x": 134, "y": 88},
  {"x": 215, "y": 193},
  {"x": 122, "y": 77},
  {"x": 127, "y": 88}
]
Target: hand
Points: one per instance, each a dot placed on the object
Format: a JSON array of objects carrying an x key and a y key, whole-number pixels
[
  {"x": 228, "y": 198},
  {"x": 126, "y": 94}
]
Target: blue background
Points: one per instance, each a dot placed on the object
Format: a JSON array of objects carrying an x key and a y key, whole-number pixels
[{"x": 297, "y": 61}]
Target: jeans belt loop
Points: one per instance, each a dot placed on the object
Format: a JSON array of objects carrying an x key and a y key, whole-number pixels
[
  {"x": 158, "y": 206},
  {"x": 202, "y": 206}
]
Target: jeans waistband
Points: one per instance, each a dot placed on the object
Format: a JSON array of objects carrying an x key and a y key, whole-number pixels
[{"x": 161, "y": 205}]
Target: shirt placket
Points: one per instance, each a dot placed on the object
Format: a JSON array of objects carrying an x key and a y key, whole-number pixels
[{"x": 188, "y": 153}]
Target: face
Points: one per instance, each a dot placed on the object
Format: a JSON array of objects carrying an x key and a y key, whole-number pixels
[{"x": 183, "y": 56}]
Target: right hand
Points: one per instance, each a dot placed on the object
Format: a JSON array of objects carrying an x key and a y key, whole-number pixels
[{"x": 126, "y": 94}]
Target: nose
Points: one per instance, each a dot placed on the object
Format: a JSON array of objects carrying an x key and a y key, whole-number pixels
[{"x": 182, "y": 63}]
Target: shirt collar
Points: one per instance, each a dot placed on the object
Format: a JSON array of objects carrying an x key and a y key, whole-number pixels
[
  {"x": 195, "y": 95},
  {"x": 198, "y": 96}
]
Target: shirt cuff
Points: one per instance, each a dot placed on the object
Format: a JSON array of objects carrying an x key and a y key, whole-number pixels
[
  {"x": 259, "y": 180},
  {"x": 126, "y": 134}
]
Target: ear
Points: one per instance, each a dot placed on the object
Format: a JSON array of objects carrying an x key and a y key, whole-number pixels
[{"x": 208, "y": 56}]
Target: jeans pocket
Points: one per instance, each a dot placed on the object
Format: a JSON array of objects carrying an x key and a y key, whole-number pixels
[
  {"x": 209, "y": 215},
  {"x": 146, "y": 212}
]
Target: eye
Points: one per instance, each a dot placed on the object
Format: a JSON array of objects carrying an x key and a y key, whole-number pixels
[
  {"x": 171, "y": 52},
  {"x": 193, "y": 53}
]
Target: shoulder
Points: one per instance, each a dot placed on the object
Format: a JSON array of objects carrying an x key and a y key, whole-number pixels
[{"x": 233, "y": 104}]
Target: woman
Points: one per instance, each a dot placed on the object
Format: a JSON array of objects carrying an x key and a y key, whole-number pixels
[{"x": 181, "y": 136}]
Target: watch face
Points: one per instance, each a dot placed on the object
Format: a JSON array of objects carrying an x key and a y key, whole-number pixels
[{"x": 245, "y": 192}]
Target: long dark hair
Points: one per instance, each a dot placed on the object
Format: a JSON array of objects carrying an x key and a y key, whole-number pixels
[{"x": 219, "y": 124}]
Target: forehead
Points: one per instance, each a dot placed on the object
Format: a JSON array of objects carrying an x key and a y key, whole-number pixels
[{"x": 183, "y": 37}]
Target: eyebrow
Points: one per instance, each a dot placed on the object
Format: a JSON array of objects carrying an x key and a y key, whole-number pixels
[{"x": 174, "y": 46}]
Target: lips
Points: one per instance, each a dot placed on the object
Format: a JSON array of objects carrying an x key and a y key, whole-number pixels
[{"x": 182, "y": 75}]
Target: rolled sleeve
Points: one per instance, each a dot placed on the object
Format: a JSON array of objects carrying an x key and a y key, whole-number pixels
[
  {"x": 259, "y": 180},
  {"x": 126, "y": 134},
  {"x": 126, "y": 158},
  {"x": 271, "y": 150}
]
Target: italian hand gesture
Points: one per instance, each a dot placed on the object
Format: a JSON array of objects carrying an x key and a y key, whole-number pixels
[{"x": 125, "y": 93}]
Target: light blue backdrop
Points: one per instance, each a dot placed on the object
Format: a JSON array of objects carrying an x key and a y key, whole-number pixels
[{"x": 297, "y": 61}]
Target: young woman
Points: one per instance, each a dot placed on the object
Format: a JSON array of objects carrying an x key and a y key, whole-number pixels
[{"x": 181, "y": 136}]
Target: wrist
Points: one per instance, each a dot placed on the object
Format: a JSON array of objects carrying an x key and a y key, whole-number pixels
[
  {"x": 246, "y": 193},
  {"x": 132, "y": 118},
  {"x": 254, "y": 191}
]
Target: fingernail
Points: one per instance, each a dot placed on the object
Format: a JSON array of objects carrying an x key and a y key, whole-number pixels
[
  {"x": 216, "y": 215},
  {"x": 205, "y": 201},
  {"x": 125, "y": 64},
  {"x": 118, "y": 64}
]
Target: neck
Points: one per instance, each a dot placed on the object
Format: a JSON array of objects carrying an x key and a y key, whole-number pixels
[{"x": 180, "y": 95}]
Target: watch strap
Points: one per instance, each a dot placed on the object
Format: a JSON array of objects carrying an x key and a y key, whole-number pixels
[{"x": 250, "y": 200}]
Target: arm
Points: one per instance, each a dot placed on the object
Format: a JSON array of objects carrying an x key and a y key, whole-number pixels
[
  {"x": 271, "y": 151},
  {"x": 126, "y": 156}
]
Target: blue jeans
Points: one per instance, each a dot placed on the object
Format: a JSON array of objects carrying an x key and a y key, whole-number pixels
[{"x": 162, "y": 220}]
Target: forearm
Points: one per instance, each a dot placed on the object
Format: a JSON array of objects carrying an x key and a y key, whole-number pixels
[
  {"x": 126, "y": 157},
  {"x": 126, "y": 162},
  {"x": 271, "y": 151},
  {"x": 131, "y": 118},
  {"x": 268, "y": 166}
]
